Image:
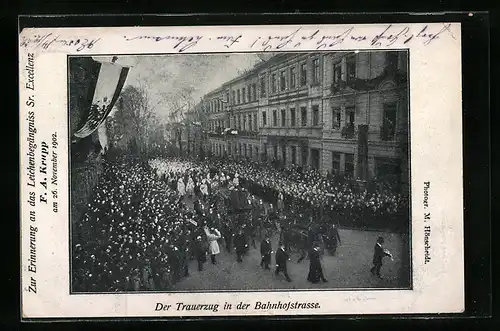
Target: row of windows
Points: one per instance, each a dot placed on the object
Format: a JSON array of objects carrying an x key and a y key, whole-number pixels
[
  {"x": 217, "y": 125},
  {"x": 289, "y": 118},
  {"x": 293, "y": 77},
  {"x": 241, "y": 149},
  {"x": 244, "y": 94},
  {"x": 383, "y": 166},
  {"x": 215, "y": 106}
]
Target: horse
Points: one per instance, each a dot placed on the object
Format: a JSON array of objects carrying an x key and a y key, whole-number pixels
[{"x": 300, "y": 239}]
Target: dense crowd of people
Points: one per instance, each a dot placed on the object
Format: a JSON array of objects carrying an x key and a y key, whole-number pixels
[{"x": 147, "y": 220}]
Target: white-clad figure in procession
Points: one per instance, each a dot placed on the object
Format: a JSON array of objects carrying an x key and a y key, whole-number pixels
[
  {"x": 190, "y": 187},
  {"x": 213, "y": 246},
  {"x": 236, "y": 180},
  {"x": 215, "y": 182},
  {"x": 204, "y": 188},
  {"x": 181, "y": 189}
]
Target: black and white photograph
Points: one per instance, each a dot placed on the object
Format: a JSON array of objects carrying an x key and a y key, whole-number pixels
[{"x": 215, "y": 172}]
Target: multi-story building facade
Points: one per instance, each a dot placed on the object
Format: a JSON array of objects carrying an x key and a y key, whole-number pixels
[{"x": 340, "y": 112}]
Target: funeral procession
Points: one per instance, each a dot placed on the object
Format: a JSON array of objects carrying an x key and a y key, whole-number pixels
[{"x": 239, "y": 172}]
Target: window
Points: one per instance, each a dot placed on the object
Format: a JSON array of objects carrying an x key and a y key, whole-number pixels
[
  {"x": 349, "y": 165},
  {"x": 255, "y": 122},
  {"x": 245, "y": 149},
  {"x": 250, "y": 152},
  {"x": 315, "y": 158},
  {"x": 351, "y": 67},
  {"x": 250, "y": 123},
  {"x": 292, "y": 77},
  {"x": 282, "y": 80},
  {"x": 303, "y": 116},
  {"x": 336, "y": 118},
  {"x": 239, "y": 97},
  {"x": 264, "y": 119},
  {"x": 315, "y": 115},
  {"x": 239, "y": 122},
  {"x": 273, "y": 83},
  {"x": 304, "y": 156},
  {"x": 387, "y": 130},
  {"x": 227, "y": 99},
  {"x": 256, "y": 152},
  {"x": 335, "y": 162},
  {"x": 337, "y": 72},
  {"x": 275, "y": 151},
  {"x": 262, "y": 87},
  {"x": 303, "y": 74},
  {"x": 275, "y": 118},
  {"x": 391, "y": 59},
  {"x": 292, "y": 117},
  {"x": 283, "y": 117},
  {"x": 254, "y": 94},
  {"x": 244, "y": 123},
  {"x": 293, "y": 150},
  {"x": 243, "y": 95},
  {"x": 315, "y": 64},
  {"x": 349, "y": 115},
  {"x": 234, "y": 97},
  {"x": 249, "y": 93}
]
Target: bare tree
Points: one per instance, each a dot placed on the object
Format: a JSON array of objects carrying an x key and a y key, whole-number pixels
[{"x": 135, "y": 119}]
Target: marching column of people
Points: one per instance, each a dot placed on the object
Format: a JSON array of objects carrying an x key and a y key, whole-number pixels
[{"x": 145, "y": 224}]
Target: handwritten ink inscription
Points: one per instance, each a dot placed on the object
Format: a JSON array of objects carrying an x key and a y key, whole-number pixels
[
  {"x": 46, "y": 41},
  {"x": 294, "y": 38},
  {"x": 181, "y": 43}
]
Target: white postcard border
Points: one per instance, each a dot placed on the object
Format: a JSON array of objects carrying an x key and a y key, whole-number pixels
[{"x": 436, "y": 157}]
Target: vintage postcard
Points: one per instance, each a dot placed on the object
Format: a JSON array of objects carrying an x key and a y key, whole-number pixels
[{"x": 241, "y": 170}]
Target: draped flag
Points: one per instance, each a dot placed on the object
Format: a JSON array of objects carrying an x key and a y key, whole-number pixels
[{"x": 110, "y": 81}]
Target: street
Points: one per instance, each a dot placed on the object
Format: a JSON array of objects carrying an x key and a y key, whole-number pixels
[{"x": 350, "y": 268}]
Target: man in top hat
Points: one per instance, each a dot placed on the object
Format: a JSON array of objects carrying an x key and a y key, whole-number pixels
[
  {"x": 334, "y": 238},
  {"x": 240, "y": 244},
  {"x": 265, "y": 252},
  {"x": 315, "y": 268},
  {"x": 227, "y": 232},
  {"x": 200, "y": 253},
  {"x": 378, "y": 255},
  {"x": 281, "y": 261}
]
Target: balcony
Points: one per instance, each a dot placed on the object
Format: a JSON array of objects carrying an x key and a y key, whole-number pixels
[
  {"x": 306, "y": 131},
  {"x": 348, "y": 131},
  {"x": 246, "y": 133},
  {"x": 338, "y": 87},
  {"x": 229, "y": 133}
]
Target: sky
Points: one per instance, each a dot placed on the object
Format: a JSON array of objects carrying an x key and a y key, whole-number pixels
[{"x": 166, "y": 77}]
